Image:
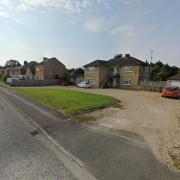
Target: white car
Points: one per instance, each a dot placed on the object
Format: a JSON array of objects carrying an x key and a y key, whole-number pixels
[
  {"x": 13, "y": 81},
  {"x": 84, "y": 85}
]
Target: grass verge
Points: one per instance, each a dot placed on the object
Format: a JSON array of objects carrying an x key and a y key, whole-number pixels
[
  {"x": 176, "y": 160},
  {"x": 70, "y": 102}
]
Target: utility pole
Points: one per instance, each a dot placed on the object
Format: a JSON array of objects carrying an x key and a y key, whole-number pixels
[{"x": 152, "y": 53}]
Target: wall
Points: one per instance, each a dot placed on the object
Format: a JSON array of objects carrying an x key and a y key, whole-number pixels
[
  {"x": 92, "y": 75},
  {"x": 39, "y": 72},
  {"x": 103, "y": 74},
  {"x": 29, "y": 83},
  {"x": 98, "y": 75},
  {"x": 53, "y": 69},
  {"x": 29, "y": 74},
  {"x": 132, "y": 75}
]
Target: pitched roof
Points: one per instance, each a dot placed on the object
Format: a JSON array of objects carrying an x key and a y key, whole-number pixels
[
  {"x": 97, "y": 63},
  {"x": 31, "y": 65},
  {"x": 117, "y": 61},
  {"x": 131, "y": 61},
  {"x": 175, "y": 77},
  {"x": 45, "y": 60}
]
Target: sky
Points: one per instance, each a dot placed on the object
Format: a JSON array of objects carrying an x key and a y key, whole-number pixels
[{"x": 80, "y": 31}]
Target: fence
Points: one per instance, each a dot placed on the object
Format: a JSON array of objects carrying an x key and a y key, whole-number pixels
[
  {"x": 29, "y": 83},
  {"x": 153, "y": 85}
]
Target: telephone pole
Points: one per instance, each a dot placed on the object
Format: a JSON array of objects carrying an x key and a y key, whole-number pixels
[{"x": 152, "y": 53}]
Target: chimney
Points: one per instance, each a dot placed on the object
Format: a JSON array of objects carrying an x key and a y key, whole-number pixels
[
  {"x": 45, "y": 59},
  {"x": 119, "y": 56},
  {"x": 127, "y": 55},
  {"x": 25, "y": 63}
]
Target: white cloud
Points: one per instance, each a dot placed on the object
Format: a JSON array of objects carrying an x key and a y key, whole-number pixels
[
  {"x": 132, "y": 2},
  {"x": 124, "y": 30},
  {"x": 4, "y": 14},
  {"x": 95, "y": 24},
  {"x": 4, "y": 1},
  {"x": 69, "y": 5}
]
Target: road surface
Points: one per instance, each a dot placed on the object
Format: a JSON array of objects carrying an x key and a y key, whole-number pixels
[
  {"x": 23, "y": 154},
  {"x": 103, "y": 154}
]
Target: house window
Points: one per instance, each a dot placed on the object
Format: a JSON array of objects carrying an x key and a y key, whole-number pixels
[
  {"x": 127, "y": 82},
  {"x": 91, "y": 69},
  {"x": 37, "y": 69},
  {"x": 128, "y": 68}
]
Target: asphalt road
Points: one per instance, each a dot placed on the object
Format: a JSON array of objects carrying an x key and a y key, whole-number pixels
[
  {"x": 104, "y": 154},
  {"x": 25, "y": 156}
]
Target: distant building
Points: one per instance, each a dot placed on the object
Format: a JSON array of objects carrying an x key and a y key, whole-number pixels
[
  {"x": 125, "y": 72},
  {"x": 77, "y": 76},
  {"x": 49, "y": 68},
  {"x": 30, "y": 71},
  {"x": 174, "y": 80}
]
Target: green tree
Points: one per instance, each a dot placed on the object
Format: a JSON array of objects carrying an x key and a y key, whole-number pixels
[
  {"x": 161, "y": 72},
  {"x": 12, "y": 63}
]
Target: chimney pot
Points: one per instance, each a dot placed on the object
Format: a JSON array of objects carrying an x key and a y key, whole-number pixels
[{"x": 127, "y": 55}]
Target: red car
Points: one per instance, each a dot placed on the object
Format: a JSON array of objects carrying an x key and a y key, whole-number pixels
[
  {"x": 65, "y": 83},
  {"x": 171, "y": 91}
]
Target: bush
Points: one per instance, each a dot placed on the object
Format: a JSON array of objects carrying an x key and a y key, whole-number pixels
[{"x": 5, "y": 76}]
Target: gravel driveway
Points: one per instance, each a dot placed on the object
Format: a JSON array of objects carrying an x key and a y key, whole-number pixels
[{"x": 147, "y": 114}]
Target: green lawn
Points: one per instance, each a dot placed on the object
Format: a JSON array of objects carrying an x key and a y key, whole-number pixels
[{"x": 71, "y": 102}]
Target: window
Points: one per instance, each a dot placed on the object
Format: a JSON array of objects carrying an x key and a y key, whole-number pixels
[
  {"x": 91, "y": 68},
  {"x": 128, "y": 68},
  {"x": 127, "y": 82}
]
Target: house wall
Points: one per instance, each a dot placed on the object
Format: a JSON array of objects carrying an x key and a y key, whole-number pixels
[
  {"x": 132, "y": 75},
  {"x": 100, "y": 73},
  {"x": 53, "y": 69},
  {"x": 49, "y": 70},
  {"x": 103, "y": 73},
  {"x": 92, "y": 75},
  {"x": 11, "y": 73},
  {"x": 145, "y": 75},
  {"x": 39, "y": 72},
  {"x": 29, "y": 75},
  {"x": 97, "y": 75}
]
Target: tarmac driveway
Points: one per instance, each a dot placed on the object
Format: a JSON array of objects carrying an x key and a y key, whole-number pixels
[{"x": 147, "y": 114}]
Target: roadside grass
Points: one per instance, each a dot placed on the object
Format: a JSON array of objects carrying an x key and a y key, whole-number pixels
[
  {"x": 176, "y": 160},
  {"x": 85, "y": 118},
  {"x": 71, "y": 102}
]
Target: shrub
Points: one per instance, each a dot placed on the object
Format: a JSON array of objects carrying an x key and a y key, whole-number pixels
[{"x": 5, "y": 76}]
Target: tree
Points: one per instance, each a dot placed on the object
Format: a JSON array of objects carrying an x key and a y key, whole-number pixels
[
  {"x": 161, "y": 72},
  {"x": 12, "y": 63}
]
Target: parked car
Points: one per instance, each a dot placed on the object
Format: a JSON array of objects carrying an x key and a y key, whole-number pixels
[
  {"x": 65, "y": 83},
  {"x": 84, "y": 85},
  {"x": 171, "y": 91},
  {"x": 13, "y": 81}
]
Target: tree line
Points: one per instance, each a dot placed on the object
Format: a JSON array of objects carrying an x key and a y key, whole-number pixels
[{"x": 161, "y": 72}]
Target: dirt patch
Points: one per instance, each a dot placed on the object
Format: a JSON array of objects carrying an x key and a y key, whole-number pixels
[
  {"x": 147, "y": 114},
  {"x": 85, "y": 118}
]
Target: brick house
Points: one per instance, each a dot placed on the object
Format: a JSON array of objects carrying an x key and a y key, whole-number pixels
[
  {"x": 30, "y": 70},
  {"x": 49, "y": 68},
  {"x": 18, "y": 72},
  {"x": 120, "y": 72}
]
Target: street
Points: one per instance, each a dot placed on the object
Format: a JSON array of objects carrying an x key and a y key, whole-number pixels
[
  {"x": 102, "y": 154},
  {"x": 22, "y": 154}
]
